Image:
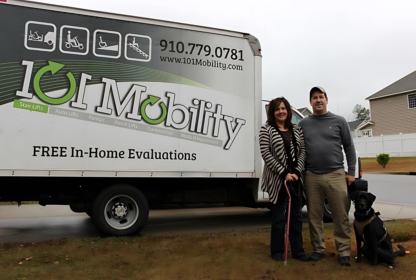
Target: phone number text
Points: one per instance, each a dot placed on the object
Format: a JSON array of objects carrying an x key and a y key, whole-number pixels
[{"x": 199, "y": 49}]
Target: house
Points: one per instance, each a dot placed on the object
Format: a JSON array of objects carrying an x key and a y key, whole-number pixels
[
  {"x": 305, "y": 111},
  {"x": 353, "y": 129},
  {"x": 393, "y": 109}
]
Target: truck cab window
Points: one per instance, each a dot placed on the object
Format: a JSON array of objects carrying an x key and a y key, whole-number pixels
[{"x": 296, "y": 118}]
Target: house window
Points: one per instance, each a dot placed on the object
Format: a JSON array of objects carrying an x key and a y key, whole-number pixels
[
  {"x": 367, "y": 132},
  {"x": 411, "y": 98}
]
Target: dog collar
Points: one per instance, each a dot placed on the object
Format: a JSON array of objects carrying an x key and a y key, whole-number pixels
[{"x": 363, "y": 214}]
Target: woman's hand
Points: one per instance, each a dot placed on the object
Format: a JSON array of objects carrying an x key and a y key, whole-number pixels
[
  {"x": 295, "y": 177},
  {"x": 289, "y": 177}
]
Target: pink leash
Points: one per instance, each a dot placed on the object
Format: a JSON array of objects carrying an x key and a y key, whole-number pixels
[{"x": 287, "y": 223}]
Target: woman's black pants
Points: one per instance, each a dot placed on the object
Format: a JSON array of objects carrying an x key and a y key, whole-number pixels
[{"x": 277, "y": 244}]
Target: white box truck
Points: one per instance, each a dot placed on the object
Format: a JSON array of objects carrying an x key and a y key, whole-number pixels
[{"x": 111, "y": 114}]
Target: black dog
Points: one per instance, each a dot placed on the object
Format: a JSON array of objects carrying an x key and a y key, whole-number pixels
[{"x": 369, "y": 228}]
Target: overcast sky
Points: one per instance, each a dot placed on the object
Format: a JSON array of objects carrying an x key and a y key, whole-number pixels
[{"x": 351, "y": 48}]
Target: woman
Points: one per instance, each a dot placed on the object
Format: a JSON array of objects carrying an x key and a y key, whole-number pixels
[{"x": 283, "y": 150}]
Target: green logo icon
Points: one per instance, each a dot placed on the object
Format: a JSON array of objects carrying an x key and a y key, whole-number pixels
[
  {"x": 54, "y": 67},
  {"x": 152, "y": 100}
]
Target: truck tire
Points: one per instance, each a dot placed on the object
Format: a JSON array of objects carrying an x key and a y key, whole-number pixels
[
  {"x": 120, "y": 210},
  {"x": 327, "y": 211}
]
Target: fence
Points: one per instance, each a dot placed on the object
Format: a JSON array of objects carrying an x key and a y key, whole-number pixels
[{"x": 401, "y": 145}]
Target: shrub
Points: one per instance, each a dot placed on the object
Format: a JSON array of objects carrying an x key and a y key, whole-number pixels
[{"x": 383, "y": 159}]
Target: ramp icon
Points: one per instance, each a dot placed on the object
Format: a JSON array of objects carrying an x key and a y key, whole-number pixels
[
  {"x": 103, "y": 46},
  {"x": 107, "y": 43}
]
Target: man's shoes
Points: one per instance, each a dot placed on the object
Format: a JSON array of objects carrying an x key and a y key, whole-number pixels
[
  {"x": 344, "y": 261},
  {"x": 302, "y": 258},
  {"x": 278, "y": 257},
  {"x": 317, "y": 256}
]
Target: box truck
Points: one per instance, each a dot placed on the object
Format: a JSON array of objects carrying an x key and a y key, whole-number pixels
[{"x": 147, "y": 112}]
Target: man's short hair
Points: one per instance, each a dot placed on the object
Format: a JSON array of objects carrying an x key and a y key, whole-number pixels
[{"x": 317, "y": 89}]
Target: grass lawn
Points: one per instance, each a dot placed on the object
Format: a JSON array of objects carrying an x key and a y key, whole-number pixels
[
  {"x": 231, "y": 255},
  {"x": 396, "y": 164}
]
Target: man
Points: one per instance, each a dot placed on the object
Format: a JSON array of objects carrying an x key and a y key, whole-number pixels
[{"x": 325, "y": 135}]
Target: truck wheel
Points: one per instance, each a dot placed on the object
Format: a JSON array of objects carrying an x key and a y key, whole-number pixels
[
  {"x": 120, "y": 210},
  {"x": 328, "y": 213}
]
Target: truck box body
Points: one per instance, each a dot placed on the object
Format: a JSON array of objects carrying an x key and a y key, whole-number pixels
[
  {"x": 139, "y": 99},
  {"x": 113, "y": 114}
]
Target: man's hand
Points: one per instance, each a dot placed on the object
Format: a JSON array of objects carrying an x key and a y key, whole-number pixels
[{"x": 350, "y": 179}]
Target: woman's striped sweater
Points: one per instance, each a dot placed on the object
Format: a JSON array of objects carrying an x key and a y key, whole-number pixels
[{"x": 276, "y": 160}]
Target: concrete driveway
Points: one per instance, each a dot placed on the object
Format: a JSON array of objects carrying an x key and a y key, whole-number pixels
[{"x": 31, "y": 223}]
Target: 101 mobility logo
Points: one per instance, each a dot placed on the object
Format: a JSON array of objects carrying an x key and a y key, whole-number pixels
[{"x": 196, "y": 119}]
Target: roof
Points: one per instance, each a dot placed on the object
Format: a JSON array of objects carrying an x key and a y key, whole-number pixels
[
  {"x": 364, "y": 124},
  {"x": 406, "y": 84},
  {"x": 302, "y": 110},
  {"x": 353, "y": 125}
]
